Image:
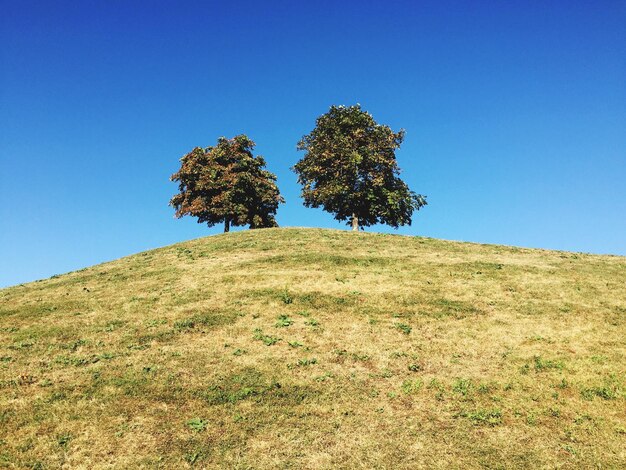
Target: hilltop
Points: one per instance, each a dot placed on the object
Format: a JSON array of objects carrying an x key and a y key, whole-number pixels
[{"x": 307, "y": 348}]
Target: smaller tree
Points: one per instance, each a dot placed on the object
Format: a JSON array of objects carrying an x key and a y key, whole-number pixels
[
  {"x": 226, "y": 183},
  {"x": 350, "y": 170}
]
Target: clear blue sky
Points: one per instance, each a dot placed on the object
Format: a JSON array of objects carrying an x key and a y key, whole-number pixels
[{"x": 515, "y": 115}]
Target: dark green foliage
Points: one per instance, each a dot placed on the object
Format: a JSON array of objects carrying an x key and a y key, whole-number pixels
[
  {"x": 246, "y": 384},
  {"x": 64, "y": 440},
  {"x": 267, "y": 339},
  {"x": 403, "y": 327},
  {"x": 546, "y": 364},
  {"x": 286, "y": 297},
  {"x": 283, "y": 321},
  {"x": 202, "y": 321},
  {"x": 412, "y": 386},
  {"x": 226, "y": 183},
  {"x": 303, "y": 363},
  {"x": 489, "y": 417},
  {"x": 350, "y": 170},
  {"x": 197, "y": 424}
]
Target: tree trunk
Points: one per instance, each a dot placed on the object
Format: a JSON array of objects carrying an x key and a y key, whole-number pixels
[
  {"x": 226, "y": 225},
  {"x": 355, "y": 223}
]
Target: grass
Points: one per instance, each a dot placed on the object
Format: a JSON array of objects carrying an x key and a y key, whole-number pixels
[{"x": 306, "y": 348}]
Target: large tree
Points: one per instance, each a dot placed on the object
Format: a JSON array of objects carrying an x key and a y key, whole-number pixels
[
  {"x": 350, "y": 170},
  {"x": 226, "y": 183}
]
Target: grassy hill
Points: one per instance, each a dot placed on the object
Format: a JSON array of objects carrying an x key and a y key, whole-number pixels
[{"x": 305, "y": 348}]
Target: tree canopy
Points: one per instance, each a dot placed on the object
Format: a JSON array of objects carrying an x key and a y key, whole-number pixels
[
  {"x": 226, "y": 183},
  {"x": 350, "y": 170}
]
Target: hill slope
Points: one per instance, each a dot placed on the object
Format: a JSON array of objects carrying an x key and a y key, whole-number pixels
[{"x": 312, "y": 348}]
